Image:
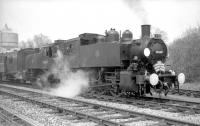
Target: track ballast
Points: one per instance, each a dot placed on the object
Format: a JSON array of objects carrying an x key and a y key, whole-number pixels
[{"x": 89, "y": 111}]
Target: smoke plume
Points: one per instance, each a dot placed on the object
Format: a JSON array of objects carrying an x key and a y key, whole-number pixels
[
  {"x": 157, "y": 30},
  {"x": 138, "y": 8},
  {"x": 70, "y": 83}
]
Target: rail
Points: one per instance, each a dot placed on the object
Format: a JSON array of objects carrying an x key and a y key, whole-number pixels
[
  {"x": 16, "y": 119},
  {"x": 125, "y": 113}
]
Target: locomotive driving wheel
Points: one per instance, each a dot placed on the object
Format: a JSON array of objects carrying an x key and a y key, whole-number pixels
[
  {"x": 166, "y": 88},
  {"x": 161, "y": 87}
]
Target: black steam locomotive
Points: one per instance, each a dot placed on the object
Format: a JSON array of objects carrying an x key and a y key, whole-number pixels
[{"x": 117, "y": 64}]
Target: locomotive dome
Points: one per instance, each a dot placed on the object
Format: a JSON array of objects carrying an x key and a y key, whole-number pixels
[
  {"x": 127, "y": 35},
  {"x": 112, "y": 35}
]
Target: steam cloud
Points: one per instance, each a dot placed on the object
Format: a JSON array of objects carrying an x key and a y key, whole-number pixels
[
  {"x": 137, "y": 7},
  {"x": 71, "y": 83},
  {"x": 163, "y": 33}
]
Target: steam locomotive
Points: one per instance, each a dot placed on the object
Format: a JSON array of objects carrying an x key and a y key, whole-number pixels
[{"x": 117, "y": 63}]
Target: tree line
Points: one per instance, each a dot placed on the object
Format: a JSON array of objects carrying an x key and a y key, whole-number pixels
[
  {"x": 36, "y": 42},
  {"x": 184, "y": 54}
]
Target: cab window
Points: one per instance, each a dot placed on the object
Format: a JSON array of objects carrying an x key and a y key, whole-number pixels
[
  {"x": 47, "y": 51},
  {"x": 50, "y": 52}
]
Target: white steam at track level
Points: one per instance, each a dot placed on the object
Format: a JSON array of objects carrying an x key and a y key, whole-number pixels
[
  {"x": 138, "y": 8},
  {"x": 71, "y": 83}
]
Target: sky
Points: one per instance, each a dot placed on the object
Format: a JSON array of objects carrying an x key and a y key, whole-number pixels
[{"x": 65, "y": 19}]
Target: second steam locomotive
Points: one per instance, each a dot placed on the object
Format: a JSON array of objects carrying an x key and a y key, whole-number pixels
[{"x": 131, "y": 67}]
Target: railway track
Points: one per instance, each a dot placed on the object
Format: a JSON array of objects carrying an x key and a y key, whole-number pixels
[
  {"x": 182, "y": 92},
  {"x": 12, "y": 118},
  {"x": 188, "y": 93},
  {"x": 101, "y": 114},
  {"x": 152, "y": 103}
]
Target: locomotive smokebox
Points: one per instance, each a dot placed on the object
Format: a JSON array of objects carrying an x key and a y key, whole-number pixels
[{"x": 146, "y": 30}]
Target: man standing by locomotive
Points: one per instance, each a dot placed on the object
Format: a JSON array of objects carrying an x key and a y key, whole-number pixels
[{"x": 134, "y": 64}]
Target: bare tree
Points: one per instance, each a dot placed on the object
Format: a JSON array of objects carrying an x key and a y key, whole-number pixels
[
  {"x": 40, "y": 40},
  {"x": 185, "y": 56},
  {"x": 37, "y": 41}
]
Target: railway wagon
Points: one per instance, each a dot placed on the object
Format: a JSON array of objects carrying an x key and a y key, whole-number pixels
[
  {"x": 38, "y": 63},
  {"x": 13, "y": 66},
  {"x": 2, "y": 65}
]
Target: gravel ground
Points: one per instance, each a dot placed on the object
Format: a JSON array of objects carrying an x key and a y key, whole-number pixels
[
  {"x": 49, "y": 118},
  {"x": 43, "y": 115},
  {"x": 3, "y": 122},
  {"x": 143, "y": 123},
  {"x": 194, "y": 118},
  {"x": 191, "y": 86}
]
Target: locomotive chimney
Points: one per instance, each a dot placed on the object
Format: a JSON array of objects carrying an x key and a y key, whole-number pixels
[{"x": 145, "y": 30}]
